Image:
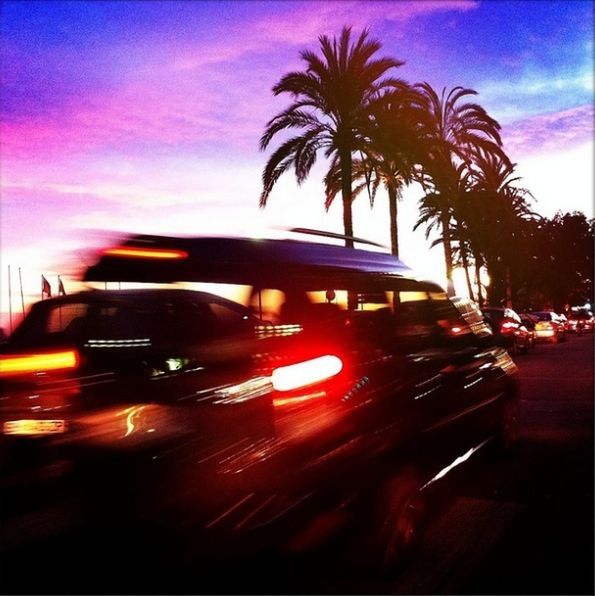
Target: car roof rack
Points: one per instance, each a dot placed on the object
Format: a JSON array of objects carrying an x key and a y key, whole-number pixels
[{"x": 326, "y": 234}]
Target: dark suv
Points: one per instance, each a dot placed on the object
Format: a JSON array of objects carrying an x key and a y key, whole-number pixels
[{"x": 332, "y": 372}]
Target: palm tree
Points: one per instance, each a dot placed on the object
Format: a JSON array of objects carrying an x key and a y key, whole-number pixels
[
  {"x": 455, "y": 129},
  {"x": 390, "y": 155},
  {"x": 494, "y": 211},
  {"x": 440, "y": 210},
  {"x": 331, "y": 99}
]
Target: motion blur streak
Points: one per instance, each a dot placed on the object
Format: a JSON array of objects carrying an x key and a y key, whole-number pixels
[
  {"x": 458, "y": 461},
  {"x": 283, "y": 401},
  {"x": 230, "y": 510},
  {"x": 244, "y": 391},
  {"x": 132, "y": 412},
  {"x": 31, "y": 363},
  {"x": 146, "y": 253}
]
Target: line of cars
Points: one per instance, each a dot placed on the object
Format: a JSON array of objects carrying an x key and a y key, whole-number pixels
[{"x": 519, "y": 332}]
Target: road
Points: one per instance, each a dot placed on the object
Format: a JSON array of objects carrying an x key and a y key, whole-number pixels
[{"x": 519, "y": 525}]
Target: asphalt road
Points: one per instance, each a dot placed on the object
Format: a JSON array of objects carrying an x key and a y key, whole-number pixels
[{"x": 519, "y": 525}]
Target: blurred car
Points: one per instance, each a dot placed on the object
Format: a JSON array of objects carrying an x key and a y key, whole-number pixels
[
  {"x": 508, "y": 329},
  {"x": 528, "y": 322},
  {"x": 331, "y": 376},
  {"x": 549, "y": 326},
  {"x": 580, "y": 320}
]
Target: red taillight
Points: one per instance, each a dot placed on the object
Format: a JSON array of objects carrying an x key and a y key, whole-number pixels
[
  {"x": 146, "y": 253},
  {"x": 302, "y": 374},
  {"x": 32, "y": 363}
]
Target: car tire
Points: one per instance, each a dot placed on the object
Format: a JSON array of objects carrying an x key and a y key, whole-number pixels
[{"x": 395, "y": 525}]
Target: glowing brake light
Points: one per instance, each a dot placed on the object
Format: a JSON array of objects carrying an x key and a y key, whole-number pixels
[
  {"x": 31, "y": 363},
  {"x": 146, "y": 253},
  {"x": 302, "y": 374}
]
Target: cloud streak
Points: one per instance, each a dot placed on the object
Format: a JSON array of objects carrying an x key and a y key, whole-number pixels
[
  {"x": 552, "y": 132},
  {"x": 305, "y": 21}
]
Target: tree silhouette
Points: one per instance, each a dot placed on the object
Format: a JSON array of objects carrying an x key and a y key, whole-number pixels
[
  {"x": 453, "y": 130},
  {"x": 390, "y": 156},
  {"x": 331, "y": 101}
]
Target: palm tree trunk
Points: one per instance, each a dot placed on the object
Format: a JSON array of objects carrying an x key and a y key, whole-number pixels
[
  {"x": 345, "y": 157},
  {"x": 444, "y": 216},
  {"x": 467, "y": 276},
  {"x": 394, "y": 230},
  {"x": 465, "y": 260},
  {"x": 478, "y": 264}
]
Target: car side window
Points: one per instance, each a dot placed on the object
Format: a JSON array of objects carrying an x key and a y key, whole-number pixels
[
  {"x": 415, "y": 327},
  {"x": 66, "y": 318},
  {"x": 266, "y": 304}
]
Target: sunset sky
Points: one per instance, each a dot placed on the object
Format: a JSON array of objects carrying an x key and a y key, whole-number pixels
[{"x": 146, "y": 116}]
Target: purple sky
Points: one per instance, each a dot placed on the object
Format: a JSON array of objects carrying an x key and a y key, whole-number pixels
[{"x": 145, "y": 116}]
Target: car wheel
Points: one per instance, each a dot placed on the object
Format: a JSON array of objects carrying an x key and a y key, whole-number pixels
[{"x": 396, "y": 523}]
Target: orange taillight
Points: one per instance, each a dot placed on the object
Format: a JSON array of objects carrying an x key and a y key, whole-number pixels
[
  {"x": 302, "y": 374},
  {"x": 146, "y": 253},
  {"x": 32, "y": 363}
]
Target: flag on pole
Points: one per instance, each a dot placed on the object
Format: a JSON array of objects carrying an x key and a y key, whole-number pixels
[
  {"x": 45, "y": 288},
  {"x": 61, "y": 290}
]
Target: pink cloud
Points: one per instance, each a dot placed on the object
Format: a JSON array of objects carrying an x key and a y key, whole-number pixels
[
  {"x": 551, "y": 132},
  {"x": 135, "y": 115},
  {"x": 307, "y": 21}
]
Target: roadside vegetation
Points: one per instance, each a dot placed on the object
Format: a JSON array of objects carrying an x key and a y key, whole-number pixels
[{"x": 377, "y": 131}]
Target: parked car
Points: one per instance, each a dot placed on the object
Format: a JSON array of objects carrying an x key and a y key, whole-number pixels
[
  {"x": 549, "y": 326},
  {"x": 529, "y": 322},
  {"x": 580, "y": 320},
  {"x": 333, "y": 381},
  {"x": 508, "y": 329}
]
